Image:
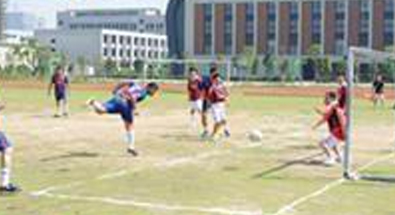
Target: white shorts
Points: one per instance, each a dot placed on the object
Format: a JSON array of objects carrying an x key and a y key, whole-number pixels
[
  {"x": 196, "y": 105},
  {"x": 219, "y": 112},
  {"x": 330, "y": 141}
]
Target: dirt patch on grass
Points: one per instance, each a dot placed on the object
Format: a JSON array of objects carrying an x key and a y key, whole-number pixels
[{"x": 252, "y": 90}]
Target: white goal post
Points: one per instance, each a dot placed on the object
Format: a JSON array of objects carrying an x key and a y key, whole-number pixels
[{"x": 354, "y": 54}]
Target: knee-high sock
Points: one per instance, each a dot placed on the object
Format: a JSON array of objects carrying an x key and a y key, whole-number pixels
[
  {"x": 5, "y": 177},
  {"x": 130, "y": 138}
]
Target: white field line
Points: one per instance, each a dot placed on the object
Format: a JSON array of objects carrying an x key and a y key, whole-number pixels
[
  {"x": 153, "y": 206},
  {"x": 290, "y": 207},
  {"x": 161, "y": 164}
]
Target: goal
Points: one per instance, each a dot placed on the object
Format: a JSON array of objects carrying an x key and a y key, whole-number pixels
[{"x": 374, "y": 59}]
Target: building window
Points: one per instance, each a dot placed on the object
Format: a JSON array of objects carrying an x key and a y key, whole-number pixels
[
  {"x": 228, "y": 31},
  {"x": 249, "y": 25},
  {"x": 114, "y": 39},
  {"x": 114, "y": 52},
  {"x": 105, "y": 38},
  {"x": 121, "y": 39},
  {"x": 207, "y": 34},
  {"x": 105, "y": 52}
]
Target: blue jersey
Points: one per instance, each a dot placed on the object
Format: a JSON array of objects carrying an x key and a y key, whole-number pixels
[
  {"x": 205, "y": 84},
  {"x": 125, "y": 99},
  {"x": 132, "y": 91}
]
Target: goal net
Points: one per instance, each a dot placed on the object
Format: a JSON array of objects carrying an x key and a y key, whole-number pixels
[{"x": 370, "y": 141}]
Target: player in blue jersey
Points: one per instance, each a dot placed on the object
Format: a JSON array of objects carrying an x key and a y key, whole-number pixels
[
  {"x": 6, "y": 156},
  {"x": 126, "y": 95}
]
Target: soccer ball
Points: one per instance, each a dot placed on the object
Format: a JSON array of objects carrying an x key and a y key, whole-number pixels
[{"x": 255, "y": 136}]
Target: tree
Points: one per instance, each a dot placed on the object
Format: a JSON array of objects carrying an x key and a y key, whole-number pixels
[
  {"x": 320, "y": 64},
  {"x": 81, "y": 64},
  {"x": 269, "y": 64},
  {"x": 110, "y": 67},
  {"x": 249, "y": 61}
]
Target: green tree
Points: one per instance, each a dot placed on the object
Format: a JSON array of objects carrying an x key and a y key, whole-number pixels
[{"x": 269, "y": 64}]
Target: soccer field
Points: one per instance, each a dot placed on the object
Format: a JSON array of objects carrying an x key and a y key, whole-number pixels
[{"x": 79, "y": 166}]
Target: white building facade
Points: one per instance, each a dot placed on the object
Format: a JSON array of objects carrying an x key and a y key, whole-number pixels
[
  {"x": 98, "y": 45},
  {"x": 136, "y": 20}
]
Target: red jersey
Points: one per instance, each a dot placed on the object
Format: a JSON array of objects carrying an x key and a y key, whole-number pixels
[
  {"x": 342, "y": 95},
  {"x": 334, "y": 116},
  {"x": 60, "y": 82},
  {"x": 217, "y": 92},
  {"x": 194, "y": 91}
]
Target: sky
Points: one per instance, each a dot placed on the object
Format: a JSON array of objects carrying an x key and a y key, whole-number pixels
[{"x": 46, "y": 9}]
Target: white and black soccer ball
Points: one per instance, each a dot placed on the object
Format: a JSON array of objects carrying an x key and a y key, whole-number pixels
[{"x": 255, "y": 135}]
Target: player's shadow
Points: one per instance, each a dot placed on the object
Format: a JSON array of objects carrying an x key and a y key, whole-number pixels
[
  {"x": 309, "y": 160},
  {"x": 180, "y": 137},
  {"x": 71, "y": 155},
  {"x": 381, "y": 179}
]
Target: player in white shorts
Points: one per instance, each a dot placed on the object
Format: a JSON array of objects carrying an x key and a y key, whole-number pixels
[
  {"x": 218, "y": 95},
  {"x": 195, "y": 95}
]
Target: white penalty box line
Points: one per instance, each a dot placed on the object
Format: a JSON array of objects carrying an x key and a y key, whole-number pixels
[
  {"x": 160, "y": 164},
  {"x": 289, "y": 208},
  {"x": 153, "y": 206}
]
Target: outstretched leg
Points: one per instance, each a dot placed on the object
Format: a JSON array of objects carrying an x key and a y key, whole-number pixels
[{"x": 98, "y": 107}]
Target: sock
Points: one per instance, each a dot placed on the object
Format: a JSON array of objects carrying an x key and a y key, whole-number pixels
[
  {"x": 193, "y": 121},
  {"x": 130, "y": 138},
  {"x": 5, "y": 177}
]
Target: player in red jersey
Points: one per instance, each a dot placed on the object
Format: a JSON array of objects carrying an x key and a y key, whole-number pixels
[
  {"x": 60, "y": 83},
  {"x": 342, "y": 92},
  {"x": 218, "y": 95},
  {"x": 195, "y": 95},
  {"x": 333, "y": 115}
]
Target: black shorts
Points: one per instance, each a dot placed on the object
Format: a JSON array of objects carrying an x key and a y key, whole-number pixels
[
  {"x": 60, "y": 95},
  {"x": 4, "y": 143},
  {"x": 206, "y": 105}
]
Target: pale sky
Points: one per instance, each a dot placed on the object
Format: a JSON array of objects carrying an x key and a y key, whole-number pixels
[{"x": 46, "y": 9}]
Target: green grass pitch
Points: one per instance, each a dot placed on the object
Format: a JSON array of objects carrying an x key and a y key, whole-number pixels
[{"x": 80, "y": 167}]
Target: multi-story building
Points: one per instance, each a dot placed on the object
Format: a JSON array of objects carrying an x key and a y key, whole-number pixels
[
  {"x": 21, "y": 21},
  {"x": 288, "y": 28},
  {"x": 98, "y": 45},
  {"x": 138, "y": 20},
  {"x": 3, "y": 4}
]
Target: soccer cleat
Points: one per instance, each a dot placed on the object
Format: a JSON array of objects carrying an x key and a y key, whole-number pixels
[
  {"x": 204, "y": 135},
  {"x": 57, "y": 115},
  {"x": 66, "y": 115},
  {"x": 329, "y": 162},
  {"x": 89, "y": 102},
  {"x": 10, "y": 189},
  {"x": 227, "y": 133},
  {"x": 133, "y": 152}
]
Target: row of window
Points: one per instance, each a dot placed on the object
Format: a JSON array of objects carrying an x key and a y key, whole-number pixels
[
  {"x": 128, "y": 53},
  {"x": 128, "y": 40},
  {"x": 294, "y": 16},
  {"x": 150, "y": 27}
]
